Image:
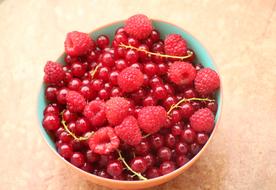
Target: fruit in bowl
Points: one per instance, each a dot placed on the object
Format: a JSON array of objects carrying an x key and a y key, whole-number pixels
[{"x": 134, "y": 102}]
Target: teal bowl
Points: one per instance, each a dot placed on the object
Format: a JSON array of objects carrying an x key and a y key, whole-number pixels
[{"x": 203, "y": 57}]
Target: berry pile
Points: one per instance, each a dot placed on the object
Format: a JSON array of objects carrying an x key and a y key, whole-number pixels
[{"x": 133, "y": 110}]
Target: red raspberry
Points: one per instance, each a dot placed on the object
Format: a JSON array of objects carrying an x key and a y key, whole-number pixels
[
  {"x": 116, "y": 110},
  {"x": 152, "y": 118},
  {"x": 206, "y": 81},
  {"x": 78, "y": 43},
  {"x": 75, "y": 101},
  {"x": 129, "y": 131},
  {"x": 95, "y": 112},
  {"x": 104, "y": 141},
  {"x": 202, "y": 120},
  {"x": 130, "y": 79},
  {"x": 182, "y": 73},
  {"x": 175, "y": 45},
  {"x": 53, "y": 73},
  {"x": 138, "y": 26}
]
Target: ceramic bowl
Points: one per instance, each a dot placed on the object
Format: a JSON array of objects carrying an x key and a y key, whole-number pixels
[{"x": 203, "y": 57}]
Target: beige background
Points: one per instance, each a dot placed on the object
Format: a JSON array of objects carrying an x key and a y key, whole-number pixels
[{"x": 241, "y": 36}]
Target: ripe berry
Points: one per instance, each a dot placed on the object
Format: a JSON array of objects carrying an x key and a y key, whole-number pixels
[
  {"x": 160, "y": 92},
  {"x": 51, "y": 122},
  {"x": 164, "y": 153},
  {"x": 138, "y": 26},
  {"x": 103, "y": 73},
  {"x": 206, "y": 81},
  {"x": 61, "y": 95},
  {"x": 138, "y": 164},
  {"x": 149, "y": 101},
  {"x": 155, "y": 35},
  {"x": 82, "y": 125},
  {"x": 167, "y": 167},
  {"x": 120, "y": 64},
  {"x": 95, "y": 112},
  {"x": 102, "y": 41},
  {"x": 77, "y": 159},
  {"x": 175, "y": 45},
  {"x": 153, "y": 173},
  {"x": 142, "y": 148},
  {"x": 152, "y": 118},
  {"x": 74, "y": 84},
  {"x": 78, "y": 43},
  {"x": 176, "y": 129},
  {"x": 51, "y": 93},
  {"x": 116, "y": 110},
  {"x": 181, "y": 73},
  {"x": 202, "y": 138},
  {"x": 129, "y": 131},
  {"x": 65, "y": 137},
  {"x": 51, "y": 109},
  {"x": 130, "y": 79},
  {"x": 157, "y": 141},
  {"x": 104, "y": 141},
  {"x": 107, "y": 60},
  {"x": 131, "y": 56},
  {"x": 150, "y": 159},
  {"x": 75, "y": 101},
  {"x": 181, "y": 148},
  {"x": 114, "y": 168},
  {"x": 188, "y": 135},
  {"x": 77, "y": 69},
  {"x": 194, "y": 148},
  {"x": 65, "y": 151},
  {"x": 69, "y": 116},
  {"x": 150, "y": 69},
  {"x": 186, "y": 110},
  {"x": 181, "y": 160},
  {"x": 91, "y": 156},
  {"x": 97, "y": 84},
  {"x": 170, "y": 140},
  {"x": 54, "y": 73},
  {"x": 202, "y": 120},
  {"x": 113, "y": 77}
]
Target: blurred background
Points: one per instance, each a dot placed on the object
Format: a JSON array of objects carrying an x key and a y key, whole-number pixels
[{"x": 241, "y": 37}]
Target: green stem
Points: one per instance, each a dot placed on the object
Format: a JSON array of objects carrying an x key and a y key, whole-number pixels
[
  {"x": 129, "y": 168},
  {"x": 186, "y": 100}
]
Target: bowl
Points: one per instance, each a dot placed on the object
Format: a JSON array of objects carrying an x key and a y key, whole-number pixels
[{"x": 203, "y": 57}]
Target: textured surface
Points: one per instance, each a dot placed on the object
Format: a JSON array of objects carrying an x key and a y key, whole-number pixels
[{"x": 241, "y": 37}]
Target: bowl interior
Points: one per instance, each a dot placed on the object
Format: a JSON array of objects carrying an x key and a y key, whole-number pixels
[{"x": 165, "y": 28}]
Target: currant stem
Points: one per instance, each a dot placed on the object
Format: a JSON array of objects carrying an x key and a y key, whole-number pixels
[
  {"x": 186, "y": 100},
  {"x": 146, "y": 135},
  {"x": 190, "y": 53},
  {"x": 92, "y": 73},
  {"x": 129, "y": 168},
  {"x": 71, "y": 133}
]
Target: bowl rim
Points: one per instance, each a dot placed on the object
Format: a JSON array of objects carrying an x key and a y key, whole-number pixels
[{"x": 176, "y": 172}]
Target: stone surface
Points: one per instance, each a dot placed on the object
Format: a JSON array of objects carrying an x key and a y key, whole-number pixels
[{"x": 240, "y": 35}]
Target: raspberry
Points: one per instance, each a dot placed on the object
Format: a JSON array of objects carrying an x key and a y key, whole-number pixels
[
  {"x": 182, "y": 73},
  {"x": 95, "y": 112},
  {"x": 129, "y": 131},
  {"x": 175, "y": 45},
  {"x": 206, "y": 81},
  {"x": 138, "y": 26},
  {"x": 130, "y": 79},
  {"x": 152, "y": 118},
  {"x": 116, "y": 110},
  {"x": 104, "y": 141},
  {"x": 202, "y": 120},
  {"x": 78, "y": 43},
  {"x": 53, "y": 73},
  {"x": 75, "y": 101}
]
